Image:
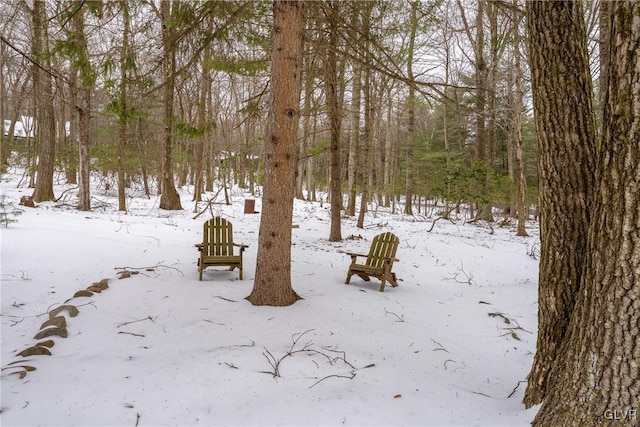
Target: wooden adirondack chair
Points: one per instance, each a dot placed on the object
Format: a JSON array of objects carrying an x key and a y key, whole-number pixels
[
  {"x": 379, "y": 261},
  {"x": 216, "y": 250}
]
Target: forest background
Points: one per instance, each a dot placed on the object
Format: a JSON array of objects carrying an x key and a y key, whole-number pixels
[{"x": 433, "y": 100}]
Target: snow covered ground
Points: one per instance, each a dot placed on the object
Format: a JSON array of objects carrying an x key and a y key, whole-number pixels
[{"x": 451, "y": 346}]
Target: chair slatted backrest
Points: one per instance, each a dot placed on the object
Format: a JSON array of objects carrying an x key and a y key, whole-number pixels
[
  {"x": 218, "y": 237},
  {"x": 384, "y": 246}
]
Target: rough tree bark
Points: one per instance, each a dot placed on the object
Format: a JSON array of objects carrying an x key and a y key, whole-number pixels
[
  {"x": 45, "y": 121},
  {"x": 272, "y": 285},
  {"x": 565, "y": 126},
  {"x": 595, "y": 380}
]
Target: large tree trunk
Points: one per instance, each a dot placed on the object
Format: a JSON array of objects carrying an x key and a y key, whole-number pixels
[
  {"x": 565, "y": 125},
  {"x": 45, "y": 122},
  {"x": 596, "y": 380},
  {"x": 170, "y": 199},
  {"x": 272, "y": 285}
]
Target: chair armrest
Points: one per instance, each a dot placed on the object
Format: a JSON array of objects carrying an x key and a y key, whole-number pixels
[
  {"x": 241, "y": 246},
  {"x": 353, "y": 255},
  {"x": 200, "y": 246}
]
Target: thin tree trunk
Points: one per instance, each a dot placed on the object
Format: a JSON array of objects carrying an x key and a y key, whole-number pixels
[
  {"x": 411, "y": 105},
  {"x": 311, "y": 166},
  {"x": 355, "y": 139},
  {"x": 492, "y": 81},
  {"x": 368, "y": 125},
  {"x": 4, "y": 151},
  {"x": 205, "y": 87},
  {"x": 366, "y": 143},
  {"x": 123, "y": 119},
  {"x": 388, "y": 157},
  {"x": 303, "y": 164},
  {"x": 83, "y": 108},
  {"x": 517, "y": 125},
  {"x": 445, "y": 127}
]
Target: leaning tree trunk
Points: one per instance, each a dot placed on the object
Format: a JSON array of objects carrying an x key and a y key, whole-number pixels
[
  {"x": 596, "y": 380},
  {"x": 272, "y": 285},
  {"x": 565, "y": 125}
]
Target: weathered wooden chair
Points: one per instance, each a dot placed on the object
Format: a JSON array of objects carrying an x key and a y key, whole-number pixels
[
  {"x": 216, "y": 249},
  {"x": 379, "y": 261}
]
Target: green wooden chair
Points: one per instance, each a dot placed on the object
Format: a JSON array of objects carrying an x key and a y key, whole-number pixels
[
  {"x": 217, "y": 247},
  {"x": 379, "y": 261}
]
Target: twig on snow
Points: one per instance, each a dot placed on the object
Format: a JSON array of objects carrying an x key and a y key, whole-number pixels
[
  {"x": 131, "y": 333},
  {"x": 441, "y": 347},
  {"x": 516, "y": 388},
  {"x": 447, "y": 216},
  {"x": 135, "y": 321},
  {"x": 400, "y": 318},
  {"x": 350, "y": 377},
  {"x": 469, "y": 277},
  {"x": 127, "y": 271}
]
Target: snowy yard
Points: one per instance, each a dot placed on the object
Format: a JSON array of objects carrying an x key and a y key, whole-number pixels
[{"x": 450, "y": 346}]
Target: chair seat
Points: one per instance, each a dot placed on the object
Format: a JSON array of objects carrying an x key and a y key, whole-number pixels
[
  {"x": 366, "y": 269},
  {"x": 220, "y": 260}
]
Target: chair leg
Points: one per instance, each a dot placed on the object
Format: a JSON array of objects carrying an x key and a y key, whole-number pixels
[
  {"x": 240, "y": 272},
  {"x": 393, "y": 280},
  {"x": 348, "y": 280},
  {"x": 382, "y": 282}
]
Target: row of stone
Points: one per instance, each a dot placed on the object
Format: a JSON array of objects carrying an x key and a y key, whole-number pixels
[{"x": 55, "y": 326}]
